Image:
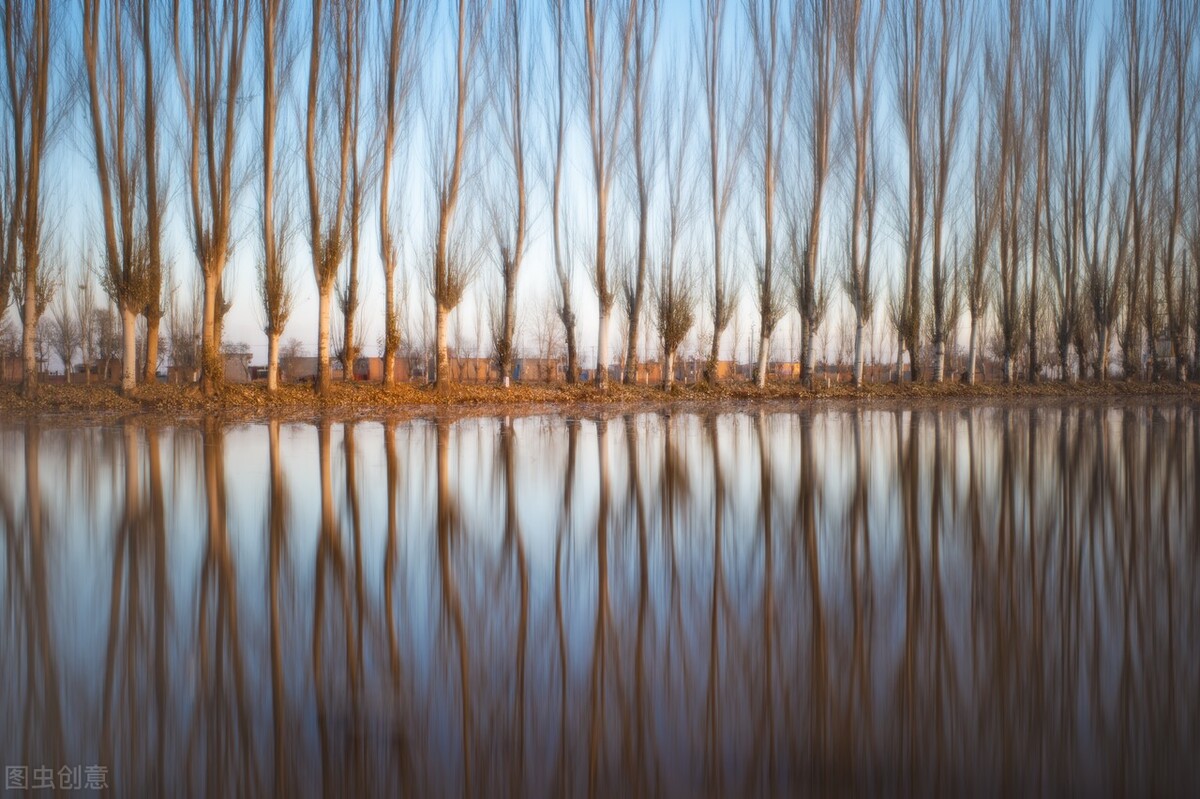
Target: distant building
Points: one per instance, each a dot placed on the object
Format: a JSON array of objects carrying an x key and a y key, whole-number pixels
[
  {"x": 539, "y": 370},
  {"x": 303, "y": 369},
  {"x": 785, "y": 370}
]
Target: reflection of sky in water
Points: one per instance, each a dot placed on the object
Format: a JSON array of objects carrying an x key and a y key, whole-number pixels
[{"x": 893, "y": 599}]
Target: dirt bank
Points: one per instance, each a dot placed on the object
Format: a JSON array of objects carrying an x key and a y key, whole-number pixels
[{"x": 363, "y": 400}]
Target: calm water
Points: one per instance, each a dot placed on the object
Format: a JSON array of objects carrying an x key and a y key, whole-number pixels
[{"x": 985, "y": 600}]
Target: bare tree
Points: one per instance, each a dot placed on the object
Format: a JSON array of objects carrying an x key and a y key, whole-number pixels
[
  {"x": 361, "y": 167},
  {"x": 274, "y": 281},
  {"x": 674, "y": 296},
  {"x": 986, "y": 175},
  {"x": 1067, "y": 238},
  {"x": 185, "y": 330},
  {"x": 564, "y": 263},
  {"x": 453, "y": 264},
  {"x": 1107, "y": 220},
  {"x": 952, "y": 44},
  {"x": 64, "y": 332},
  {"x": 909, "y": 42},
  {"x": 29, "y": 48},
  {"x": 1140, "y": 61},
  {"x": 512, "y": 226},
  {"x": 209, "y": 43},
  {"x": 337, "y": 32},
  {"x": 645, "y": 43},
  {"x": 1039, "y": 91},
  {"x": 85, "y": 313},
  {"x": 774, "y": 40},
  {"x": 1179, "y": 20},
  {"x": 726, "y": 145},
  {"x": 8, "y": 232},
  {"x": 860, "y": 32},
  {"x": 607, "y": 44},
  {"x": 155, "y": 269},
  {"x": 1193, "y": 301},
  {"x": 35, "y": 303},
  {"x": 820, "y": 29},
  {"x": 1007, "y": 87},
  {"x": 108, "y": 31},
  {"x": 401, "y": 26}
]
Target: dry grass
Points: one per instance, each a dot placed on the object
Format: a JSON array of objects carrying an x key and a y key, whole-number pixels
[{"x": 363, "y": 399}]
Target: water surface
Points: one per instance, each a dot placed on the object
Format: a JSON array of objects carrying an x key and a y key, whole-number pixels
[{"x": 971, "y": 599}]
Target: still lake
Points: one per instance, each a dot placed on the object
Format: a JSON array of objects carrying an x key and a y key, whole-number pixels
[{"x": 954, "y": 599}]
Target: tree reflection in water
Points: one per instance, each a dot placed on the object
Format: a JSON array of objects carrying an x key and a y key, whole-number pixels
[{"x": 843, "y": 600}]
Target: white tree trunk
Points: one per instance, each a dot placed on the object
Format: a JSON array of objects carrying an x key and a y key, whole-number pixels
[
  {"x": 1008, "y": 369},
  {"x": 441, "y": 374},
  {"x": 128, "y": 350},
  {"x": 602, "y": 351},
  {"x": 273, "y": 362},
  {"x": 939, "y": 361},
  {"x": 810, "y": 356},
  {"x": 764, "y": 351},
  {"x": 323, "y": 365},
  {"x": 669, "y": 371}
]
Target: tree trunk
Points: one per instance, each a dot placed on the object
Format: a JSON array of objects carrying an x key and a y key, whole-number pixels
[
  {"x": 349, "y": 344},
  {"x": 441, "y": 348},
  {"x": 939, "y": 360},
  {"x": 572, "y": 356},
  {"x": 29, "y": 375},
  {"x": 1103, "y": 344},
  {"x": 1129, "y": 358},
  {"x": 710, "y": 372},
  {"x": 810, "y": 358},
  {"x": 629, "y": 376},
  {"x": 602, "y": 351},
  {"x": 858, "y": 353},
  {"x": 764, "y": 350},
  {"x": 669, "y": 371},
  {"x": 128, "y": 350},
  {"x": 631, "y": 353},
  {"x": 323, "y": 364},
  {"x": 150, "y": 374},
  {"x": 914, "y": 361},
  {"x": 972, "y": 351},
  {"x": 389, "y": 315},
  {"x": 272, "y": 362},
  {"x": 1009, "y": 366},
  {"x": 210, "y": 375},
  {"x": 507, "y": 330},
  {"x": 348, "y": 353}
]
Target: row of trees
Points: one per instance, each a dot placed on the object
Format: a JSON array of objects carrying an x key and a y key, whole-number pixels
[{"x": 1042, "y": 183}]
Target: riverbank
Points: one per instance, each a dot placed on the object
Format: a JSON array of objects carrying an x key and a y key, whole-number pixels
[{"x": 360, "y": 399}]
